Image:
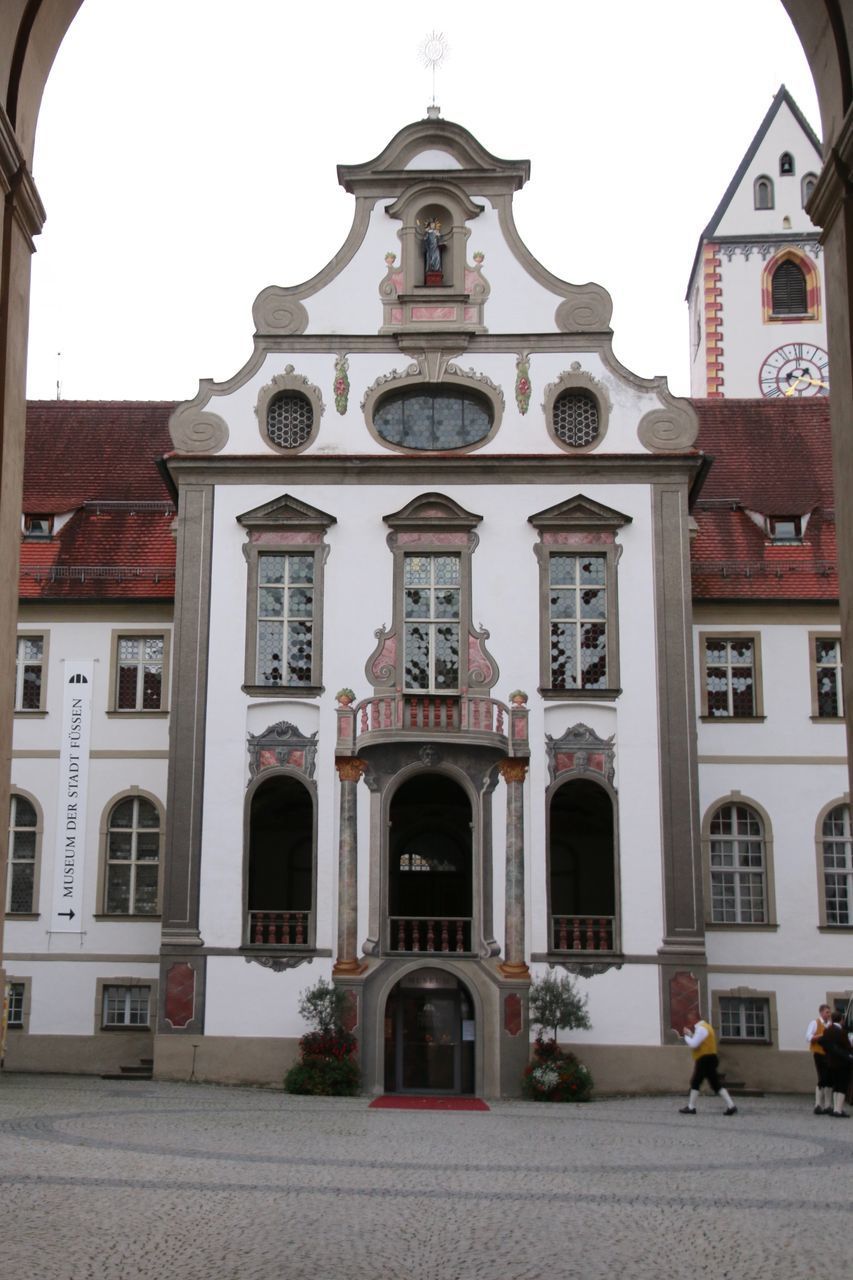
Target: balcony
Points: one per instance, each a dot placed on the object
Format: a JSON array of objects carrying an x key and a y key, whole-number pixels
[
  {"x": 410, "y": 934},
  {"x": 582, "y": 933},
  {"x": 279, "y": 928},
  {"x": 469, "y": 716}
]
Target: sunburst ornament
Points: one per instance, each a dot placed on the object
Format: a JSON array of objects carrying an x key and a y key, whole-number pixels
[{"x": 433, "y": 50}]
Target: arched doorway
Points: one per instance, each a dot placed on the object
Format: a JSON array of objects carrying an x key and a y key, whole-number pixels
[
  {"x": 582, "y": 869},
  {"x": 430, "y": 1035},
  {"x": 430, "y": 867}
]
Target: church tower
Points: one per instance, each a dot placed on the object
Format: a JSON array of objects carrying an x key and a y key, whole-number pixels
[{"x": 756, "y": 291}]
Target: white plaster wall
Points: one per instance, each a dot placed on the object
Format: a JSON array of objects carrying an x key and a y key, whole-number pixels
[
  {"x": 344, "y": 434},
  {"x": 797, "y": 998},
  {"x": 62, "y": 995},
  {"x": 623, "y": 1006},
  {"x": 742, "y": 217},
  {"x": 747, "y": 339},
  {"x": 358, "y": 599},
  {"x": 246, "y": 1000}
]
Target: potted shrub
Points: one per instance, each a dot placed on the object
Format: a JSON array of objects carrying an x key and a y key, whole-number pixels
[
  {"x": 554, "y": 1074},
  {"x": 326, "y": 1063}
]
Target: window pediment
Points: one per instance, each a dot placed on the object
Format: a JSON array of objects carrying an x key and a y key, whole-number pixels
[
  {"x": 579, "y": 512},
  {"x": 432, "y": 511},
  {"x": 286, "y": 512}
]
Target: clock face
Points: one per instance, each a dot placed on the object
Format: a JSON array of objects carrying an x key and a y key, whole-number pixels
[{"x": 796, "y": 369}]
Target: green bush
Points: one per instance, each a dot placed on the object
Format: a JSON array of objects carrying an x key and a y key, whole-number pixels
[{"x": 324, "y": 1076}]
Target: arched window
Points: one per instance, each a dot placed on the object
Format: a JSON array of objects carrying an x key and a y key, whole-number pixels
[
  {"x": 582, "y": 871},
  {"x": 807, "y": 186},
  {"x": 430, "y": 881},
  {"x": 281, "y": 864},
  {"x": 133, "y": 858},
  {"x": 763, "y": 191},
  {"x": 433, "y": 418},
  {"x": 837, "y": 860},
  {"x": 786, "y": 163},
  {"x": 738, "y": 865},
  {"x": 23, "y": 824},
  {"x": 788, "y": 289}
]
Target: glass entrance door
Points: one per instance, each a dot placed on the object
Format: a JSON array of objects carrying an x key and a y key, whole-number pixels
[{"x": 429, "y": 1041}]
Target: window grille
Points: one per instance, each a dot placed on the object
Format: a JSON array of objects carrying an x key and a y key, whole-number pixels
[
  {"x": 788, "y": 290},
  {"x": 578, "y": 621},
  {"x": 139, "y": 678},
  {"x": 285, "y": 619},
  {"x": 827, "y": 657},
  {"x": 744, "y": 1019},
  {"x": 730, "y": 677},
  {"x": 29, "y": 671},
  {"x": 576, "y": 418},
  {"x": 22, "y": 855},
  {"x": 738, "y": 893},
  {"x": 838, "y": 865},
  {"x": 290, "y": 419},
  {"x": 431, "y": 611}
]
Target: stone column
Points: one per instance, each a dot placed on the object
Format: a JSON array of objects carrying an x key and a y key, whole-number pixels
[
  {"x": 349, "y": 769},
  {"x": 513, "y": 773}
]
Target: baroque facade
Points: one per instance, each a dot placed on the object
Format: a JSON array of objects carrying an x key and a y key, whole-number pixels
[{"x": 424, "y": 715}]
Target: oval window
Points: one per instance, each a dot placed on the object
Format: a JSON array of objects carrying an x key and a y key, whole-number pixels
[
  {"x": 442, "y": 419},
  {"x": 576, "y": 418}
]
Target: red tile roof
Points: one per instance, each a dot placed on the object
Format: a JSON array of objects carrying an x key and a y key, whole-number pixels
[
  {"x": 97, "y": 459},
  {"x": 773, "y": 458}
]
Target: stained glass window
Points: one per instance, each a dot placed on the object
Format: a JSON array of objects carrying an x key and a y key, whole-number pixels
[
  {"x": 427, "y": 419},
  {"x": 431, "y": 611},
  {"x": 578, "y": 620},
  {"x": 285, "y": 619},
  {"x": 28, "y": 673},
  {"x": 22, "y": 855},
  {"x": 133, "y": 858},
  {"x": 139, "y": 673},
  {"x": 737, "y": 866},
  {"x": 730, "y": 677}
]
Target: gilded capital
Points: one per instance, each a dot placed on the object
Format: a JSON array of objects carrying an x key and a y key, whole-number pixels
[
  {"x": 513, "y": 770},
  {"x": 350, "y": 768}
]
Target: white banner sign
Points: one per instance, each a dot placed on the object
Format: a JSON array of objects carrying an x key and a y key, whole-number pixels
[{"x": 67, "y": 909}]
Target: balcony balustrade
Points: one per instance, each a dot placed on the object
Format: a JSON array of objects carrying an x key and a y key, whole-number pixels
[
  {"x": 582, "y": 933},
  {"x": 279, "y": 928},
  {"x": 465, "y": 715},
  {"x": 435, "y": 936}
]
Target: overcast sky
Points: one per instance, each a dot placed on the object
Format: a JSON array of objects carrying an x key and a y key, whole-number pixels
[{"x": 186, "y": 155}]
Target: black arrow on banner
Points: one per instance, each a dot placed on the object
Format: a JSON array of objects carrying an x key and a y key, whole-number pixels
[{"x": 70, "y": 914}]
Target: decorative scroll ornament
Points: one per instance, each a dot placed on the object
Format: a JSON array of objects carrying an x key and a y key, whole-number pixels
[
  {"x": 282, "y": 744},
  {"x": 196, "y": 431},
  {"x": 340, "y": 388},
  {"x": 278, "y": 964},
  {"x": 580, "y": 750},
  {"x": 588, "y": 968},
  {"x": 523, "y": 386},
  {"x": 671, "y": 429}
]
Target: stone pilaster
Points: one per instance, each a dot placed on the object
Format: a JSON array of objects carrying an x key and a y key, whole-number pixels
[
  {"x": 513, "y": 773},
  {"x": 349, "y": 771}
]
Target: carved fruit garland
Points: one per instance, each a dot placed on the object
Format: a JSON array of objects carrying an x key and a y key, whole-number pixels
[{"x": 341, "y": 384}]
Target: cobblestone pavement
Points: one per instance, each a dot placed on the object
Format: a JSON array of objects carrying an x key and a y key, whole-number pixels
[{"x": 102, "y": 1181}]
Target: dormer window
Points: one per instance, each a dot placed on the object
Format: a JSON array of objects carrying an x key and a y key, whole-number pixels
[
  {"x": 786, "y": 163},
  {"x": 38, "y": 527},
  {"x": 785, "y": 529},
  {"x": 763, "y": 191}
]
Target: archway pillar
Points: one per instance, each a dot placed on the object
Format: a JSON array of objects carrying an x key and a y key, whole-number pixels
[
  {"x": 514, "y": 965},
  {"x": 350, "y": 770}
]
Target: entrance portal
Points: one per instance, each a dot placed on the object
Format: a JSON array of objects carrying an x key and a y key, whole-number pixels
[{"x": 429, "y": 1035}]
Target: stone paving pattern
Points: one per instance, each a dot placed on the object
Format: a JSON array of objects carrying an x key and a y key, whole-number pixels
[{"x": 150, "y": 1181}]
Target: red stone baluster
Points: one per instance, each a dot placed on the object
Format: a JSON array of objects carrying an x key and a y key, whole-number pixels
[
  {"x": 460, "y": 935},
  {"x": 416, "y": 935},
  {"x": 300, "y": 928},
  {"x": 576, "y": 933},
  {"x": 603, "y": 932},
  {"x": 445, "y": 941},
  {"x": 590, "y": 935},
  {"x": 563, "y": 927},
  {"x": 364, "y": 719},
  {"x": 499, "y": 727},
  {"x": 259, "y": 927},
  {"x": 430, "y": 946},
  {"x": 401, "y": 935},
  {"x": 284, "y": 924}
]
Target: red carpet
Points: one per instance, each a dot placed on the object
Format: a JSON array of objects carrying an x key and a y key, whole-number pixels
[{"x": 411, "y": 1102}]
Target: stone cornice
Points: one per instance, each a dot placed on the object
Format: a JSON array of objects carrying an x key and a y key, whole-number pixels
[
  {"x": 16, "y": 179},
  {"x": 836, "y": 178}
]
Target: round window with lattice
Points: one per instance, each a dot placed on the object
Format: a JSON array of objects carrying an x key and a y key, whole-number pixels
[
  {"x": 290, "y": 419},
  {"x": 576, "y": 418}
]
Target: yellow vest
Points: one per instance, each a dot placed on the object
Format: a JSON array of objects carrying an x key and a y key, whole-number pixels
[
  {"x": 709, "y": 1044},
  {"x": 814, "y": 1046}
]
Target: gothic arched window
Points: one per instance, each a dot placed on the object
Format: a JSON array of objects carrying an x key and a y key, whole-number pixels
[
  {"x": 763, "y": 192},
  {"x": 789, "y": 290}
]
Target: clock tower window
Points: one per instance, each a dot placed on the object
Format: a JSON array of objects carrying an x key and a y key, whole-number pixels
[{"x": 788, "y": 290}]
